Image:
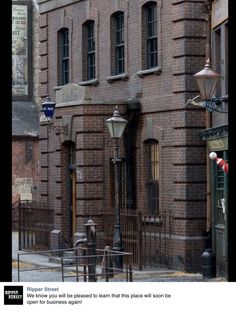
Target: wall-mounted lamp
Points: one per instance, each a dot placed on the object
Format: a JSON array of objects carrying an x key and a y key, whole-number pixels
[
  {"x": 207, "y": 80},
  {"x": 48, "y": 109}
]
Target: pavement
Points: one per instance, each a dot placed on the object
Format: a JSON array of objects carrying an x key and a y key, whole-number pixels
[{"x": 41, "y": 267}]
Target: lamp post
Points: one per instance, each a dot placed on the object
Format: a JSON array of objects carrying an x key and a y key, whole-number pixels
[
  {"x": 116, "y": 126},
  {"x": 207, "y": 80},
  {"x": 48, "y": 109}
]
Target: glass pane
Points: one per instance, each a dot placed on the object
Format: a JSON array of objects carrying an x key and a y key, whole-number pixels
[
  {"x": 91, "y": 66},
  {"x": 152, "y": 53},
  {"x": 120, "y": 59},
  {"x": 120, "y": 29},
  {"x": 91, "y": 43}
]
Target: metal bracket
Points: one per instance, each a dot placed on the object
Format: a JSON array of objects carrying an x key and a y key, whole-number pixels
[{"x": 210, "y": 105}]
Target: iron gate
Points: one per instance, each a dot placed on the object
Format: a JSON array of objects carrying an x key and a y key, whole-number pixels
[
  {"x": 35, "y": 223},
  {"x": 144, "y": 236}
]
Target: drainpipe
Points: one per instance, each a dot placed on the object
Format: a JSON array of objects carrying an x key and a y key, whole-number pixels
[{"x": 133, "y": 108}]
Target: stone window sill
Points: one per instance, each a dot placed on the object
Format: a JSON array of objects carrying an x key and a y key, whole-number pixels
[
  {"x": 142, "y": 73},
  {"x": 123, "y": 76},
  {"x": 93, "y": 82}
]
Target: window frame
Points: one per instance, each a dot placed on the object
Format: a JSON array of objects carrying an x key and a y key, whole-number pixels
[
  {"x": 119, "y": 43},
  {"x": 220, "y": 57},
  {"x": 151, "y": 37},
  {"x": 91, "y": 53},
  {"x": 64, "y": 56}
]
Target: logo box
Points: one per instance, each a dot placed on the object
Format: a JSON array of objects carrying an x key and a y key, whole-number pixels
[{"x": 13, "y": 295}]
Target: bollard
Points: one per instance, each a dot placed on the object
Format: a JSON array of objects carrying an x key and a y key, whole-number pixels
[{"x": 208, "y": 264}]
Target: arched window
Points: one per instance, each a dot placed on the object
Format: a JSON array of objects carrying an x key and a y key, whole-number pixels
[
  {"x": 149, "y": 35},
  {"x": 153, "y": 175},
  {"x": 63, "y": 56}
]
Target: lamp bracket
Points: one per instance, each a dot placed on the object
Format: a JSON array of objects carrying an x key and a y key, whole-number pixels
[{"x": 213, "y": 104}]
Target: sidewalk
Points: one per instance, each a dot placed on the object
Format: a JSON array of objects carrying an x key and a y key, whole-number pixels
[{"x": 37, "y": 260}]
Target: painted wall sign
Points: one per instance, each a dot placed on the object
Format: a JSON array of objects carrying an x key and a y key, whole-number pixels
[
  {"x": 19, "y": 50},
  {"x": 218, "y": 144},
  {"x": 22, "y": 185},
  {"x": 219, "y": 12},
  {"x": 71, "y": 94}
]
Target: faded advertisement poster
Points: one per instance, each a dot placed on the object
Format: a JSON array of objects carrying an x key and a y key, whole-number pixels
[{"x": 19, "y": 51}]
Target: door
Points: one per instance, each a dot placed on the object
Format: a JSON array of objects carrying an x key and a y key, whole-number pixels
[
  {"x": 220, "y": 216},
  {"x": 71, "y": 194}
]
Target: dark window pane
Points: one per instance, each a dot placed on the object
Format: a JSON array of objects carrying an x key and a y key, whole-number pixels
[
  {"x": 120, "y": 59},
  {"x": 90, "y": 51},
  {"x": 91, "y": 43},
  {"x": 64, "y": 42},
  {"x": 91, "y": 66},
  {"x": 151, "y": 13},
  {"x": 119, "y": 48},
  {"x": 65, "y": 71}
]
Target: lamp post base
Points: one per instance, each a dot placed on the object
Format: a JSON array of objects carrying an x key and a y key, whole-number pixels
[{"x": 118, "y": 258}]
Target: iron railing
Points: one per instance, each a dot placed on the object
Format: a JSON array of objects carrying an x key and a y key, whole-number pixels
[
  {"x": 35, "y": 223},
  {"x": 77, "y": 267},
  {"x": 145, "y": 236}
]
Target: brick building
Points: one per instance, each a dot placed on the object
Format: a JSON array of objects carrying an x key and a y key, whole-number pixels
[
  {"x": 25, "y": 112},
  {"x": 140, "y": 56}
]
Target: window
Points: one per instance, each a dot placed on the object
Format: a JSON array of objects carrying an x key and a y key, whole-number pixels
[
  {"x": 117, "y": 44},
  {"x": 28, "y": 152},
  {"x": 150, "y": 39},
  {"x": 89, "y": 51},
  {"x": 63, "y": 74},
  {"x": 220, "y": 194},
  {"x": 120, "y": 55},
  {"x": 153, "y": 175},
  {"x": 220, "y": 58}
]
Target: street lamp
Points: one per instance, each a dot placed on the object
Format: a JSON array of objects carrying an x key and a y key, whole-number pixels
[
  {"x": 207, "y": 80},
  {"x": 116, "y": 126},
  {"x": 48, "y": 109}
]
